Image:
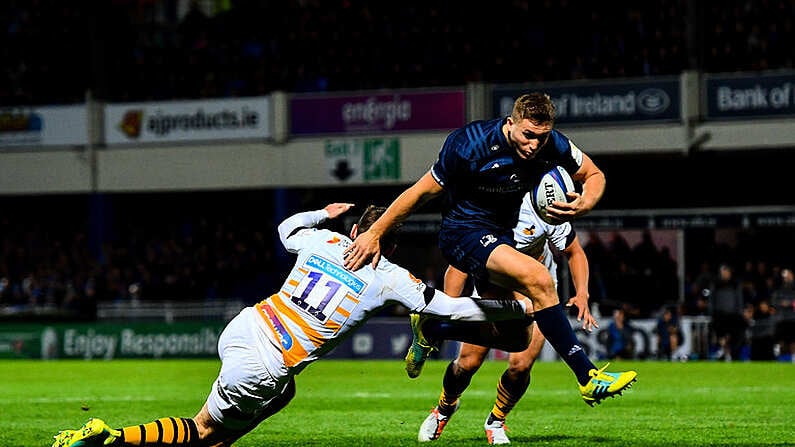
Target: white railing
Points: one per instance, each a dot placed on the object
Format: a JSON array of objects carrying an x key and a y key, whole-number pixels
[{"x": 169, "y": 311}]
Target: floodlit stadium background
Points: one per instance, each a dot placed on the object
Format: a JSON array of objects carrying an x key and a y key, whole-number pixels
[{"x": 148, "y": 149}]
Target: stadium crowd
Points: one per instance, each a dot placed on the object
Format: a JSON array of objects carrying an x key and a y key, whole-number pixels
[
  {"x": 137, "y": 50},
  {"x": 211, "y": 246}
]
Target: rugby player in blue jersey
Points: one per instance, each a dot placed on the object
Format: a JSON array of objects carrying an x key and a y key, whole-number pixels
[{"x": 484, "y": 170}]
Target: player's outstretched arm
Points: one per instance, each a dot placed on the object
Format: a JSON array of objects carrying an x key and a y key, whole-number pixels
[
  {"x": 367, "y": 245},
  {"x": 309, "y": 219},
  {"x": 334, "y": 210},
  {"x": 578, "y": 265}
]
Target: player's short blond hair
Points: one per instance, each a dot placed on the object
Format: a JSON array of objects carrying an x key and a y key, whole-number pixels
[{"x": 536, "y": 107}]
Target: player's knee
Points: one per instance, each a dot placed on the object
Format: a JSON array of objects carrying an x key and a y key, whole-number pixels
[
  {"x": 468, "y": 364},
  {"x": 542, "y": 289},
  {"x": 520, "y": 366},
  {"x": 209, "y": 431},
  {"x": 206, "y": 429},
  {"x": 518, "y": 371}
]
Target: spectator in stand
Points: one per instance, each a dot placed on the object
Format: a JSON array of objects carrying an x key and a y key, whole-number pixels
[
  {"x": 728, "y": 315},
  {"x": 762, "y": 331},
  {"x": 784, "y": 295},
  {"x": 669, "y": 333},
  {"x": 620, "y": 343},
  {"x": 783, "y": 301}
]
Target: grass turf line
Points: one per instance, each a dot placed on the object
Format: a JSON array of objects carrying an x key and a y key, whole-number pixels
[{"x": 365, "y": 403}]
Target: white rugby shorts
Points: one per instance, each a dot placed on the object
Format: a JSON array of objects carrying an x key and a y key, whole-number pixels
[{"x": 252, "y": 372}]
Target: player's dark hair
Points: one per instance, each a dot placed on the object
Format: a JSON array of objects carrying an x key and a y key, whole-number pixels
[
  {"x": 369, "y": 216},
  {"x": 536, "y": 107}
]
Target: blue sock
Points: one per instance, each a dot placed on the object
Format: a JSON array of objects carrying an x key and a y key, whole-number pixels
[{"x": 556, "y": 328}]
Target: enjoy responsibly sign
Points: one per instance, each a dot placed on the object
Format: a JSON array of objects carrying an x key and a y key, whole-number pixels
[{"x": 108, "y": 341}]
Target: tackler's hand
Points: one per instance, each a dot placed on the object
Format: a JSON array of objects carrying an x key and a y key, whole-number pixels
[
  {"x": 364, "y": 248},
  {"x": 336, "y": 209},
  {"x": 583, "y": 312}
]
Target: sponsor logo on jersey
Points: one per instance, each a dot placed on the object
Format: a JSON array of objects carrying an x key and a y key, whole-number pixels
[
  {"x": 529, "y": 231},
  {"x": 284, "y": 336},
  {"x": 333, "y": 240},
  {"x": 336, "y": 271},
  {"x": 495, "y": 147},
  {"x": 518, "y": 186}
]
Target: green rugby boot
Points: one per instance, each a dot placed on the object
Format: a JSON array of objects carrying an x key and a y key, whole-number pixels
[
  {"x": 606, "y": 384},
  {"x": 420, "y": 347},
  {"x": 94, "y": 433}
]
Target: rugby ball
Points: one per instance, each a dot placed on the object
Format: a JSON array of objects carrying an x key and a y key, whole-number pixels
[{"x": 553, "y": 186}]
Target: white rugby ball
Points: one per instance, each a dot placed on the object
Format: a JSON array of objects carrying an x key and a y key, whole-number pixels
[{"x": 553, "y": 187}]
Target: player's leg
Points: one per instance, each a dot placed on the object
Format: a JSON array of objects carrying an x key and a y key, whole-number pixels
[
  {"x": 457, "y": 282},
  {"x": 202, "y": 430},
  {"x": 511, "y": 387},
  {"x": 508, "y": 335},
  {"x": 252, "y": 385},
  {"x": 428, "y": 332},
  {"x": 248, "y": 389},
  {"x": 509, "y": 268},
  {"x": 230, "y": 436},
  {"x": 456, "y": 379},
  {"x": 172, "y": 431}
]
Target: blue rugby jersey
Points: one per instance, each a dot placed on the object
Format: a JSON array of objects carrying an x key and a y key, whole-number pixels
[{"x": 485, "y": 179}]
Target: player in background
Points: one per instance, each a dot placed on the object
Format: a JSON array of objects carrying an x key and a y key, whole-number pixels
[
  {"x": 485, "y": 168},
  {"x": 266, "y": 345},
  {"x": 541, "y": 241}
]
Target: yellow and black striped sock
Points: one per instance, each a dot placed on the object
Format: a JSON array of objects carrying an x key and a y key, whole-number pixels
[
  {"x": 455, "y": 381},
  {"x": 447, "y": 403},
  {"x": 165, "y": 431},
  {"x": 509, "y": 391}
]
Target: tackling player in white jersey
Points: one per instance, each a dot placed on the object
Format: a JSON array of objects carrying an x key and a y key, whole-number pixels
[
  {"x": 537, "y": 239},
  {"x": 265, "y": 346}
]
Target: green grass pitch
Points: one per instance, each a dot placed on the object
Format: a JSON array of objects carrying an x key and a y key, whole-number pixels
[{"x": 373, "y": 403}]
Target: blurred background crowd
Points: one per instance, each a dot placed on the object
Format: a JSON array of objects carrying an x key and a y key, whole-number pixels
[
  {"x": 138, "y": 50},
  {"x": 202, "y": 246}
]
